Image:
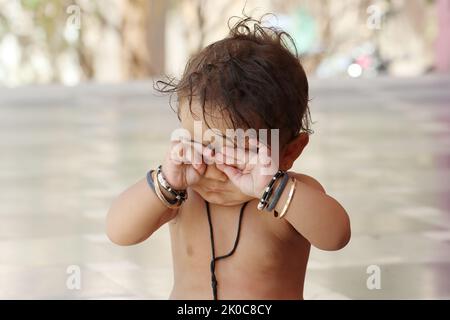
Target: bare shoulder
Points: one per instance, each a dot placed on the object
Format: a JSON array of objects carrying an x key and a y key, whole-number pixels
[{"x": 308, "y": 180}]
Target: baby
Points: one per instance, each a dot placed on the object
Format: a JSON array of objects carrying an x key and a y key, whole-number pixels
[{"x": 241, "y": 224}]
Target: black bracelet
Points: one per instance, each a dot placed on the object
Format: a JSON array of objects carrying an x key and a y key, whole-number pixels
[
  {"x": 180, "y": 195},
  {"x": 278, "y": 192},
  {"x": 150, "y": 180},
  {"x": 268, "y": 191},
  {"x": 151, "y": 183}
]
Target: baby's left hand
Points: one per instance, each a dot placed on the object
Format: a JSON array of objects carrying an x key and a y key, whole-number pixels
[{"x": 249, "y": 170}]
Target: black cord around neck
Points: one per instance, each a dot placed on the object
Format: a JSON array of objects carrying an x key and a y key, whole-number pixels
[{"x": 214, "y": 258}]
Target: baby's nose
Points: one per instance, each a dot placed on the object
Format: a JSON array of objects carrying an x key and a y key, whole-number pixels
[{"x": 215, "y": 174}]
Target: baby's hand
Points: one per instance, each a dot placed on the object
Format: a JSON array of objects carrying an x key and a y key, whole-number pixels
[
  {"x": 184, "y": 163},
  {"x": 250, "y": 170}
]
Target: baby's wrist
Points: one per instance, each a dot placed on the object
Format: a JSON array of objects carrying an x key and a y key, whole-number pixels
[
  {"x": 169, "y": 196},
  {"x": 278, "y": 194},
  {"x": 260, "y": 192},
  {"x": 168, "y": 176},
  {"x": 282, "y": 200},
  {"x": 269, "y": 190}
]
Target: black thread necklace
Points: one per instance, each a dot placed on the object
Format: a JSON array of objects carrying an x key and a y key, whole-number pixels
[{"x": 214, "y": 258}]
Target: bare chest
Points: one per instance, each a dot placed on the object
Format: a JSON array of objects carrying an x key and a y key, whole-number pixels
[{"x": 266, "y": 246}]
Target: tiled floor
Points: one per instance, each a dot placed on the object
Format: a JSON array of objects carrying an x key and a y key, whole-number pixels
[{"x": 381, "y": 147}]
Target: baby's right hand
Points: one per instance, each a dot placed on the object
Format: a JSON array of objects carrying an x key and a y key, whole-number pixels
[{"x": 184, "y": 163}]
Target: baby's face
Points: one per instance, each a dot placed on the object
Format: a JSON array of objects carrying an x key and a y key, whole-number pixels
[{"x": 214, "y": 186}]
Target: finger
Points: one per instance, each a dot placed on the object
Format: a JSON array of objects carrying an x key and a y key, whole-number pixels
[
  {"x": 221, "y": 158},
  {"x": 261, "y": 147},
  {"x": 200, "y": 168},
  {"x": 208, "y": 156},
  {"x": 176, "y": 153},
  {"x": 192, "y": 174},
  {"x": 264, "y": 152},
  {"x": 232, "y": 173},
  {"x": 234, "y": 156},
  {"x": 203, "y": 153},
  {"x": 253, "y": 144},
  {"x": 192, "y": 152},
  {"x": 197, "y": 146}
]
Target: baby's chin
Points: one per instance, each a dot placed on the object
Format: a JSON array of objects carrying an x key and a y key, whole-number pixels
[{"x": 223, "y": 198}]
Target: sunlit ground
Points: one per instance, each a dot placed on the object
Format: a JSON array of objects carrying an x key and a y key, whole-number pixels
[{"x": 381, "y": 147}]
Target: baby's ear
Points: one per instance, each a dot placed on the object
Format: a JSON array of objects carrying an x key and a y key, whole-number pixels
[{"x": 293, "y": 150}]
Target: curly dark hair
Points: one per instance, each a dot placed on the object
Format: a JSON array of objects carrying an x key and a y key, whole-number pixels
[{"x": 251, "y": 77}]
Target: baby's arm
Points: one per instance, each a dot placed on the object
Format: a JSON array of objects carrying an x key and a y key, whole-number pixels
[
  {"x": 315, "y": 215},
  {"x": 135, "y": 214},
  {"x": 138, "y": 212}
]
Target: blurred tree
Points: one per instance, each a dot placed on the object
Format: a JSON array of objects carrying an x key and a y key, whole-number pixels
[
  {"x": 203, "y": 19},
  {"x": 126, "y": 39},
  {"x": 143, "y": 33}
]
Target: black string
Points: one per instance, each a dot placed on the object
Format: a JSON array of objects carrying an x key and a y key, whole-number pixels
[{"x": 214, "y": 258}]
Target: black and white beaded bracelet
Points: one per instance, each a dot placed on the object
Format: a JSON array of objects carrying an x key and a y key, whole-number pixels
[
  {"x": 180, "y": 195},
  {"x": 263, "y": 202}
]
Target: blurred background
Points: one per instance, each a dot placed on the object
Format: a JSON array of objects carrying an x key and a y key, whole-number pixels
[
  {"x": 70, "y": 42},
  {"x": 80, "y": 122}
]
